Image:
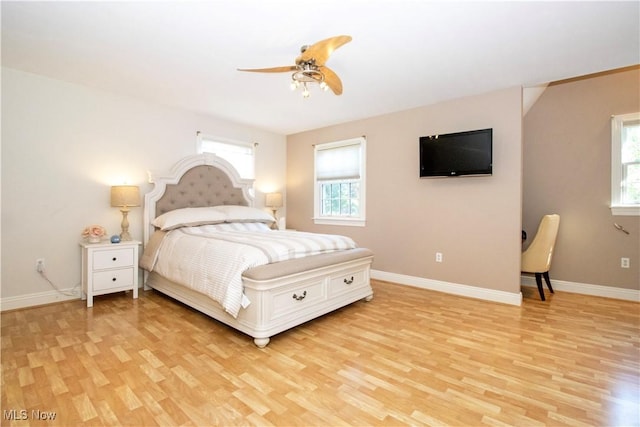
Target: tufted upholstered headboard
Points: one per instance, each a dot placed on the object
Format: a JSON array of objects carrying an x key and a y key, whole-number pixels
[
  {"x": 196, "y": 181},
  {"x": 200, "y": 186}
]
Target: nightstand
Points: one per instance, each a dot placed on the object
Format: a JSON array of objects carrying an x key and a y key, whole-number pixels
[{"x": 109, "y": 267}]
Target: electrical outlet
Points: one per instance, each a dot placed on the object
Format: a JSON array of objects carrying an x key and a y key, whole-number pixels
[
  {"x": 438, "y": 256},
  {"x": 624, "y": 262},
  {"x": 40, "y": 265}
]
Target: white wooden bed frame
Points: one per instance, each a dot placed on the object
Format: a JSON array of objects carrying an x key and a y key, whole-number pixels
[{"x": 282, "y": 295}]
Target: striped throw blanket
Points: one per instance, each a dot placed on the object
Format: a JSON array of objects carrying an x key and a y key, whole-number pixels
[{"x": 211, "y": 259}]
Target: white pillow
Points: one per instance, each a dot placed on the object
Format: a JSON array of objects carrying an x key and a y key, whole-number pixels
[
  {"x": 189, "y": 217},
  {"x": 234, "y": 213}
]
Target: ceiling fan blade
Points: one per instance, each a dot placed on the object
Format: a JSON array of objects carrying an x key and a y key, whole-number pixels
[
  {"x": 332, "y": 80},
  {"x": 321, "y": 50},
  {"x": 284, "y": 69}
]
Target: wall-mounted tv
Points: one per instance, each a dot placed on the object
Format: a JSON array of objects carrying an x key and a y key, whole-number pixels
[{"x": 456, "y": 154}]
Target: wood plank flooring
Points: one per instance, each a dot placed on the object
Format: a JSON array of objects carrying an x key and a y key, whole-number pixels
[{"x": 408, "y": 357}]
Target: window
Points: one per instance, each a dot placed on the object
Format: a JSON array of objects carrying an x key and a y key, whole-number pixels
[
  {"x": 625, "y": 164},
  {"x": 239, "y": 154},
  {"x": 339, "y": 195}
]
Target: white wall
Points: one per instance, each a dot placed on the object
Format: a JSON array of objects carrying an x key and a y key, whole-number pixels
[{"x": 64, "y": 145}]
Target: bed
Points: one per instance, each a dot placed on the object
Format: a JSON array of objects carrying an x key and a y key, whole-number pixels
[{"x": 203, "y": 202}]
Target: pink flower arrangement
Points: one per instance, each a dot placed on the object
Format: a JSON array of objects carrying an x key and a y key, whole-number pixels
[{"x": 94, "y": 231}]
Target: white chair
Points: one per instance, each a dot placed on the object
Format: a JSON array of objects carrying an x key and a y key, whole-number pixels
[{"x": 536, "y": 258}]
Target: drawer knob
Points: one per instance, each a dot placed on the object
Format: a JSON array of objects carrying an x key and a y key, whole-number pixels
[
  {"x": 113, "y": 280},
  {"x": 348, "y": 281},
  {"x": 301, "y": 297}
]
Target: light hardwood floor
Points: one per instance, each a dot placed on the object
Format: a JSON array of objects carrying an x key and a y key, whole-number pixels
[{"x": 408, "y": 357}]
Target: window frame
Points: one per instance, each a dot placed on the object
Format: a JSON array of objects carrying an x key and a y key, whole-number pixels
[
  {"x": 357, "y": 221},
  {"x": 201, "y": 137},
  {"x": 617, "y": 207}
]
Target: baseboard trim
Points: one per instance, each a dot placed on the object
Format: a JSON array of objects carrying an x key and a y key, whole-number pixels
[
  {"x": 49, "y": 297},
  {"x": 450, "y": 288},
  {"x": 40, "y": 298},
  {"x": 586, "y": 289}
]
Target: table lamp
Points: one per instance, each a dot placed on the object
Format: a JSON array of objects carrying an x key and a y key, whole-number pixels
[{"x": 124, "y": 197}]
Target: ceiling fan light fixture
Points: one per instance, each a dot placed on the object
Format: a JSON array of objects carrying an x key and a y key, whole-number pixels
[
  {"x": 309, "y": 66},
  {"x": 307, "y": 72}
]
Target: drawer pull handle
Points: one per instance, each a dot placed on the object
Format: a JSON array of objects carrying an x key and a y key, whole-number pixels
[
  {"x": 301, "y": 297},
  {"x": 114, "y": 279},
  {"x": 114, "y": 258},
  {"x": 348, "y": 281}
]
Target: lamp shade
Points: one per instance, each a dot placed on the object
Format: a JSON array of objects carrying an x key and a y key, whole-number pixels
[
  {"x": 125, "y": 195},
  {"x": 274, "y": 200}
]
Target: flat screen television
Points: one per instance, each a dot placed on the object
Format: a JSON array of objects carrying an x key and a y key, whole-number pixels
[{"x": 457, "y": 154}]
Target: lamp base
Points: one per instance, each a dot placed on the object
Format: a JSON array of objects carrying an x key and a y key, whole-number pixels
[
  {"x": 125, "y": 236},
  {"x": 274, "y": 226}
]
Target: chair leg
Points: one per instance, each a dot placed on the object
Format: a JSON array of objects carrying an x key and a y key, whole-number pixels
[
  {"x": 539, "y": 283},
  {"x": 546, "y": 279}
]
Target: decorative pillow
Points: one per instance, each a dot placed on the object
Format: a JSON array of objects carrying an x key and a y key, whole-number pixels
[
  {"x": 235, "y": 213},
  {"x": 189, "y": 217}
]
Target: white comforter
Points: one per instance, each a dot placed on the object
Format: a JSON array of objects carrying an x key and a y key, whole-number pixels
[{"x": 211, "y": 259}]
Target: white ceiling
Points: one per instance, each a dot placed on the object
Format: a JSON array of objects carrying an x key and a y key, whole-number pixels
[{"x": 404, "y": 53}]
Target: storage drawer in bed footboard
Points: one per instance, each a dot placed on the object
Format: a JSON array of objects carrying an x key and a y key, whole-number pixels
[
  {"x": 278, "y": 304},
  {"x": 347, "y": 281},
  {"x": 291, "y": 300}
]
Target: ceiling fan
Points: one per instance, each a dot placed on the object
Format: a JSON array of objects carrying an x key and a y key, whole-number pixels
[{"x": 309, "y": 66}]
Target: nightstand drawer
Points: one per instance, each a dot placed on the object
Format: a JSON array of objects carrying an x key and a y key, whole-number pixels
[
  {"x": 113, "y": 279},
  {"x": 113, "y": 258}
]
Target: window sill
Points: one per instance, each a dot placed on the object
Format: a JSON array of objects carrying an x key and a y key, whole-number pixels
[
  {"x": 340, "y": 221},
  {"x": 629, "y": 210}
]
